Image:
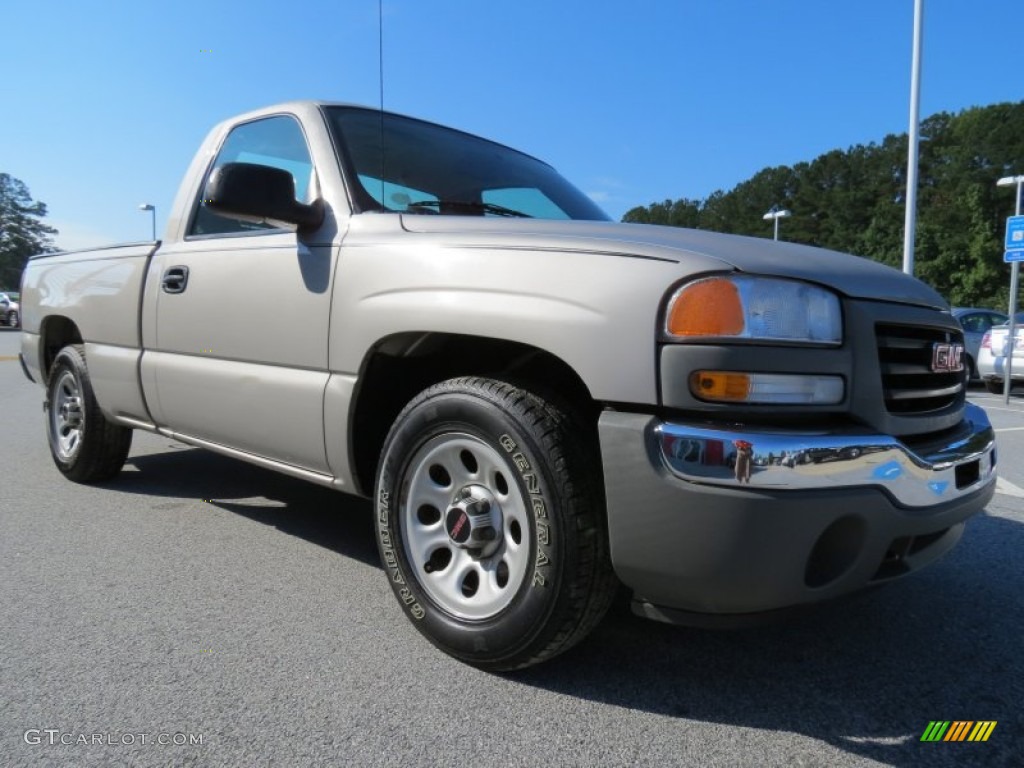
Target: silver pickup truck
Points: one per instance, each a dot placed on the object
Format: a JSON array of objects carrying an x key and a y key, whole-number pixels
[{"x": 542, "y": 404}]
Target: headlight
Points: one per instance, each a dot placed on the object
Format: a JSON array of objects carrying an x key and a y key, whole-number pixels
[{"x": 756, "y": 308}]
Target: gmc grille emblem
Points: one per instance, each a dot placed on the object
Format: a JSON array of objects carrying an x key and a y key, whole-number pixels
[{"x": 947, "y": 358}]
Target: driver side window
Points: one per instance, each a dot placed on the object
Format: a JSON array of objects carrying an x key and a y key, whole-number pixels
[{"x": 277, "y": 142}]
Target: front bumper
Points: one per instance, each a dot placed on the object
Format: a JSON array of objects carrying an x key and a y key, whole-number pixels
[
  {"x": 811, "y": 460},
  {"x": 715, "y": 520}
]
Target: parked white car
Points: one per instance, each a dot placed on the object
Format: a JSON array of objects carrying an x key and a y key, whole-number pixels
[
  {"x": 976, "y": 323},
  {"x": 993, "y": 352}
]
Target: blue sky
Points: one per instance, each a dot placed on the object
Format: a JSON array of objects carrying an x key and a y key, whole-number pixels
[{"x": 104, "y": 103}]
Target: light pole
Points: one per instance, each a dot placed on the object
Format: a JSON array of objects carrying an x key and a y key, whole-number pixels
[
  {"x": 1010, "y": 181},
  {"x": 152, "y": 209},
  {"x": 910, "y": 217},
  {"x": 774, "y": 215}
]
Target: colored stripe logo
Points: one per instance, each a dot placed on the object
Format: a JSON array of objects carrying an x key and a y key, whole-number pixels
[{"x": 958, "y": 730}]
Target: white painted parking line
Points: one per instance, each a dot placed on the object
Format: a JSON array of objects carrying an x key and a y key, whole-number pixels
[
  {"x": 1010, "y": 429},
  {"x": 1007, "y": 488}
]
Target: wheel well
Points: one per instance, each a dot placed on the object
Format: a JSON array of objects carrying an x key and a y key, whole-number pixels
[
  {"x": 400, "y": 367},
  {"x": 56, "y": 333}
]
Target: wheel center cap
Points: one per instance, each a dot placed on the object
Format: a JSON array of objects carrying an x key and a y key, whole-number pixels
[
  {"x": 69, "y": 413},
  {"x": 473, "y": 521}
]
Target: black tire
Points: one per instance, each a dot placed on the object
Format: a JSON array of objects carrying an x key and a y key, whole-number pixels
[
  {"x": 543, "y": 525},
  {"x": 85, "y": 446},
  {"x": 994, "y": 386}
]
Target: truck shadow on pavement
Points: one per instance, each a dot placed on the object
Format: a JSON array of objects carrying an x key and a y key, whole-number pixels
[
  {"x": 865, "y": 676},
  {"x": 317, "y": 514}
]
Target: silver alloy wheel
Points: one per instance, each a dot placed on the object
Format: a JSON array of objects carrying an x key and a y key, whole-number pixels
[
  {"x": 12, "y": 319},
  {"x": 67, "y": 419},
  {"x": 465, "y": 528}
]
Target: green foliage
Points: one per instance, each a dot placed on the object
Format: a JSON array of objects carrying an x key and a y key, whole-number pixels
[
  {"x": 22, "y": 232},
  {"x": 853, "y": 201}
]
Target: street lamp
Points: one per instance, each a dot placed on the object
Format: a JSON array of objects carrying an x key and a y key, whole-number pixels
[
  {"x": 774, "y": 215},
  {"x": 152, "y": 209},
  {"x": 910, "y": 214},
  {"x": 1010, "y": 181}
]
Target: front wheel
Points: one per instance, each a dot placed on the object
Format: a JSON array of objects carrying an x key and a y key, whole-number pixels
[
  {"x": 85, "y": 446},
  {"x": 490, "y": 523}
]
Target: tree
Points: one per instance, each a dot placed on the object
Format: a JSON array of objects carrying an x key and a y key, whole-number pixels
[{"x": 22, "y": 232}]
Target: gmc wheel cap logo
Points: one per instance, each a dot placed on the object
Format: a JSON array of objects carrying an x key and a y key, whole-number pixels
[
  {"x": 458, "y": 525},
  {"x": 947, "y": 358}
]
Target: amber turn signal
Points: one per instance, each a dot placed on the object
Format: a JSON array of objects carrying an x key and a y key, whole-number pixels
[
  {"x": 710, "y": 307},
  {"x": 764, "y": 388},
  {"x": 719, "y": 385}
]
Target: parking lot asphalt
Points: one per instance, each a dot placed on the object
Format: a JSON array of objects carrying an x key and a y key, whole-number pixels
[{"x": 201, "y": 611}]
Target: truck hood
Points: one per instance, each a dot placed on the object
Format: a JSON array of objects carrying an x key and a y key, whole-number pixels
[{"x": 852, "y": 276}]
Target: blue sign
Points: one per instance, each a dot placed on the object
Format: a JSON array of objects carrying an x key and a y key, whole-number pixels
[
  {"x": 1015, "y": 233},
  {"x": 1009, "y": 256}
]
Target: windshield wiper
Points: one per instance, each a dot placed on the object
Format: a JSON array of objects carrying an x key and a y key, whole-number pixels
[{"x": 468, "y": 206}]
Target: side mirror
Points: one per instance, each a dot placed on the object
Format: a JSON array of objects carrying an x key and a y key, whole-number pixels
[{"x": 260, "y": 193}]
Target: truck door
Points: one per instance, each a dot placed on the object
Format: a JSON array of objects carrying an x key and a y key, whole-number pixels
[{"x": 239, "y": 357}]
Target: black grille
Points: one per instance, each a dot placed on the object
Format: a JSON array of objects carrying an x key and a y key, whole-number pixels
[{"x": 908, "y": 383}]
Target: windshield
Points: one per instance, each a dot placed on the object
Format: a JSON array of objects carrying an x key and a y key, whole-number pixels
[
  {"x": 427, "y": 169},
  {"x": 1018, "y": 321}
]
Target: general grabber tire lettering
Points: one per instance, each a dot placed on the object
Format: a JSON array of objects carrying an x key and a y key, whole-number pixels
[
  {"x": 85, "y": 446},
  {"x": 490, "y": 523}
]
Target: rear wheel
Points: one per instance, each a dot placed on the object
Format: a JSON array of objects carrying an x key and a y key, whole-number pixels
[
  {"x": 85, "y": 446},
  {"x": 490, "y": 523},
  {"x": 994, "y": 386}
]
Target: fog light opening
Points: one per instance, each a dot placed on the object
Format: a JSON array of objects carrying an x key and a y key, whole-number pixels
[{"x": 836, "y": 551}]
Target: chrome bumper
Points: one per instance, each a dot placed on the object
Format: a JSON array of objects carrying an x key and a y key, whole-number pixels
[{"x": 801, "y": 460}]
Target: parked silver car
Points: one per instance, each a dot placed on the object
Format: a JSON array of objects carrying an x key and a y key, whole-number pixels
[
  {"x": 992, "y": 355},
  {"x": 10, "y": 311},
  {"x": 976, "y": 323}
]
